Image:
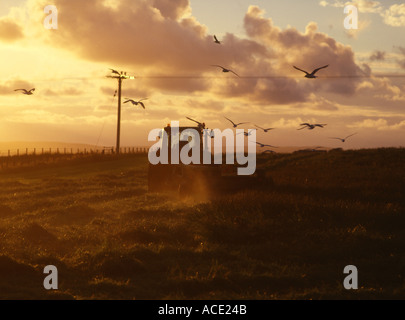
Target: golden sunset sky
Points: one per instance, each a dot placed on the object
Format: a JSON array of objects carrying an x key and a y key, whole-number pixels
[{"x": 168, "y": 46}]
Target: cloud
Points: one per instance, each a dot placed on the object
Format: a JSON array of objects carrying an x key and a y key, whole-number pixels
[
  {"x": 379, "y": 124},
  {"x": 367, "y": 6},
  {"x": 138, "y": 33},
  {"x": 395, "y": 15},
  {"x": 169, "y": 51},
  {"x": 209, "y": 105},
  {"x": 362, "y": 5},
  {"x": 288, "y": 123},
  {"x": 307, "y": 50},
  {"x": 381, "y": 88},
  {"x": 173, "y": 9},
  {"x": 69, "y": 91},
  {"x": 134, "y": 91},
  {"x": 401, "y": 62},
  {"x": 10, "y": 31},
  {"x": 321, "y": 104},
  {"x": 363, "y": 24},
  {"x": 377, "y": 56},
  {"x": 38, "y": 116},
  {"x": 401, "y": 49},
  {"x": 392, "y": 16}
]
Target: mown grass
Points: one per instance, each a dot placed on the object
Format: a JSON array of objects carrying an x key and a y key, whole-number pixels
[{"x": 111, "y": 239}]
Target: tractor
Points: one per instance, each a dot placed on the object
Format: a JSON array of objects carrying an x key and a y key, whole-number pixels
[{"x": 199, "y": 179}]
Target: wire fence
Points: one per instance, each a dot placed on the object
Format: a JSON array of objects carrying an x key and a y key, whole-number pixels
[
  {"x": 31, "y": 157},
  {"x": 28, "y": 157},
  {"x": 71, "y": 151}
]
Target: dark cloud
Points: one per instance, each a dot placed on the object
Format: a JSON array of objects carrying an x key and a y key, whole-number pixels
[{"x": 377, "y": 56}]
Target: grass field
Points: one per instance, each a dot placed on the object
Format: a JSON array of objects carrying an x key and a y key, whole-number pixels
[{"x": 94, "y": 219}]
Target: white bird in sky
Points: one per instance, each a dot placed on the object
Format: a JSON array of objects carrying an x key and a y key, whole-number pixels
[
  {"x": 265, "y": 130},
  {"x": 310, "y": 126},
  {"x": 344, "y": 139},
  {"x": 312, "y": 74},
  {"x": 136, "y": 102},
  {"x": 224, "y": 69},
  {"x": 235, "y": 124},
  {"x": 25, "y": 91}
]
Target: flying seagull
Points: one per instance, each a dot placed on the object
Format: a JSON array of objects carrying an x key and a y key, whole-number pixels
[
  {"x": 200, "y": 125},
  {"x": 310, "y": 126},
  {"x": 115, "y": 71},
  {"x": 265, "y": 130},
  {"x": 233, "y": 123},
  {"x": 344, "y": 139},
  {"x": 25, "y": 91},
  {"x": 136, "y": 102},
  {"x": 216, "y": 40},
  {"x": 269, "y": 151},
  {"x": 262, "y": 145},
  {"x": 247, "y": 134},
  {"x": 224, "y": 69},
  {"x": 311, "y": 75}
]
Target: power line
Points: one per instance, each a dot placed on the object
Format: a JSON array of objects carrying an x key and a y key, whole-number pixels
[
  {"x": 219, "y": 77},
  {"x": 271, "y": 76}
]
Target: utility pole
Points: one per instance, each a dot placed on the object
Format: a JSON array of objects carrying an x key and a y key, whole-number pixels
[
  {"x": 117, "y": 148},
  {"x": 120, "y": 76}
]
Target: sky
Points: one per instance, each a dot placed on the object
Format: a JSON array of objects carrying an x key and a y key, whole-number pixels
[{"x": 167, "y": 45}]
